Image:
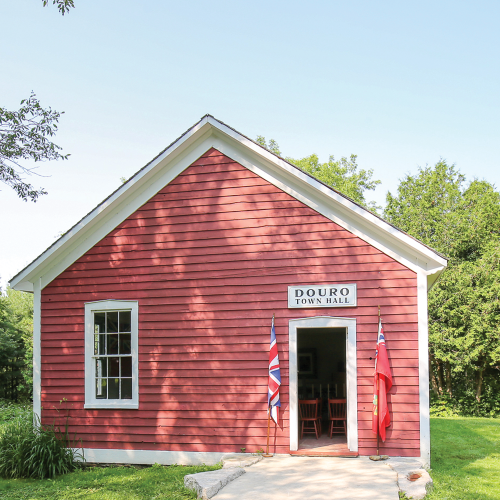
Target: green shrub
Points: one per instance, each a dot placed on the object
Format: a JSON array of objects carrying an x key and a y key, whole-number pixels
[
  {"x": 443, "y": 407},
  {"x": 10, "y": 410},
  {"x": 28, "y": 449},
  {"x": 464, "y": 402}
]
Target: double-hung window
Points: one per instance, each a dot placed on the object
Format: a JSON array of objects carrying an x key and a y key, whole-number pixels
[{"x": 111, "y": 364}]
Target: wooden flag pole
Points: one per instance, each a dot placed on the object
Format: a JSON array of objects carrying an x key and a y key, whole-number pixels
[
  {"x": 378, "y": 394},
  {"x": 378, "y": 421},
  {"x": 267, "y": 454},
  {"x": 378, "y": 457}
]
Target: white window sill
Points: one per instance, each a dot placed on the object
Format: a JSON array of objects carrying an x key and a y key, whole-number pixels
[{"x": 111, "y": 406}]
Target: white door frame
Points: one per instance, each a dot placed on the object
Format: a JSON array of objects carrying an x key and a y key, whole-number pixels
[{"x": 351, "y": 374}]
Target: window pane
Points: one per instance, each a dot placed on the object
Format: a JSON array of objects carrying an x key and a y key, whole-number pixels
[
  {"x": 113, "y": 367},
  {"x": 101, "y": 368},
  {"x": 99, "y": 322},
  {"x": 112, "y": 322},
  {"x": 126, "y": 388},
  {"x": 100, "y": 344},
  {"x": 112, "y": 344},
  {"x": 125, "y": 343},
  {"x": 100, "y": 392},
  {"x": 124, "y": 321},
  {"x": 113, "y": 388},
  {"x": 126, "y": 367}
]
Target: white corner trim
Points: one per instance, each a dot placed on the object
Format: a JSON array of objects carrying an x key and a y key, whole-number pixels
[
  {"x": 37, "y": 349},
  {"x": 351, "y": 374},
  {"x": 111, "y": 305},
  {"x": 423, "y": 368}
]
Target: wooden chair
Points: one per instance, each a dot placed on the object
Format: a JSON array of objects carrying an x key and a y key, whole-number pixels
[
  {"x": 338, "y": 416},
  {"x": 320, "y": 414},
  {"x": 309, "y": 417}
]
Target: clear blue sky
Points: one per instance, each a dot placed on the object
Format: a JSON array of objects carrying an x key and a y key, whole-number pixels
[{"x": 400, "y": 84}]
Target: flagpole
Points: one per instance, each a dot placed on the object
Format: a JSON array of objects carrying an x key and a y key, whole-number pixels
[
  {"x": 378, "y": 456},
  {"x": 378, "y": 394},
  {"x": 267, "y": 454}
]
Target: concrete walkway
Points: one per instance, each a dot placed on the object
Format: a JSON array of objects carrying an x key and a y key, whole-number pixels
[{"x": 318, "y": 478}]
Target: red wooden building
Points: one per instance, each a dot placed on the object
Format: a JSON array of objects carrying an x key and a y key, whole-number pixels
[{"x": 153, "y": 313}]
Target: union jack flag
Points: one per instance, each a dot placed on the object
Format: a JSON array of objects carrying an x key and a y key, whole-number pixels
[{"x": 273, "y": 393}]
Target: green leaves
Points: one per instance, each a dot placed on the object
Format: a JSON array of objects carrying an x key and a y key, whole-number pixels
[
  {"x": 28, "y": 449},
  {"x": 464, "y": 306},
  {"x": 62, "y": 5},
  {"x": 342, "y": 175},
  {"x": 24, "y": 135},
  {"x": 425, "y": 205},
  {"x": 16, "y": 344}
]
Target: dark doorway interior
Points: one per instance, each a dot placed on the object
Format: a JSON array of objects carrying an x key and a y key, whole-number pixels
[{"x": 322, "y": 375}]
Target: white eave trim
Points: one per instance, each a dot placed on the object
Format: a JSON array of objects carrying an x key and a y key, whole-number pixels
[
  {"x": 23, "y": 280},
  {"x": 209, "y": 132},
  {"x": 318, "y": 186}
]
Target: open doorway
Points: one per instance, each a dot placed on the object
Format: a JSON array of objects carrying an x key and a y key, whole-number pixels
[
  {"x": 321, "y": 373},
  {"x": 332, "y": 325}
]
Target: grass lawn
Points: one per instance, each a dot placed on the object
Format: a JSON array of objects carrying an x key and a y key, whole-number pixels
[
  {"x": 465, "y": 459},
  {"x": 465, "y": 466},
  {"x": 100, "y": 483},
  {"x": 110, "y": 483}
]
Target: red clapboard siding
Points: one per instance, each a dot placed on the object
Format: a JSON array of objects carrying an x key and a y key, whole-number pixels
[{"x": 210, "y": 258}]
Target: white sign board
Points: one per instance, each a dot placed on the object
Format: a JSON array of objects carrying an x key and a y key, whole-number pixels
[{"x": 322, "y": 296}]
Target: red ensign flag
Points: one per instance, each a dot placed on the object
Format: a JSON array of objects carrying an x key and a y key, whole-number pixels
[{"x": 382, "y": 383}]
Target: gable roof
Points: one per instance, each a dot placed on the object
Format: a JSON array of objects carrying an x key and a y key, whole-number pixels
[{"x": 210, "y": 132}]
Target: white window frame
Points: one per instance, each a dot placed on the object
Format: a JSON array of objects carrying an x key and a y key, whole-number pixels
[{"x": 102, "y": 306}]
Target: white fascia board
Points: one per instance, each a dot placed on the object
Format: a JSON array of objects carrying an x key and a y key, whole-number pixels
[
  {"x": 209, "y": 132},
  {"x": 109, "y": 214},
  {"x": 344, "y": 212}
]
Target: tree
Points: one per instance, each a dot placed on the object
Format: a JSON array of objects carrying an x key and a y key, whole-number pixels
[
  {"x": 464, "y": 324},
  {"x": 16, "y": 344},
  {"x": 342, "y": 175},
  {"x": 24, "y": 135},
  {"x": 464, "y": 306},
  {"x": 424, "y": 205},
  {"x": 62, "y": 5},
  {"x": 271, "y": 146}
]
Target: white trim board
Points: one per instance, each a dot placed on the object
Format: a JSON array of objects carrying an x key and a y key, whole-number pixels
[
  {"x": 37, "y": 350},
  {"x": 423, "y": 369},
  {"x": 144, "y": 457},
  {"x": 103, "y": 456},
  {"x": 208, "y": 133},
  {"x": 351, "y": 374}
]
